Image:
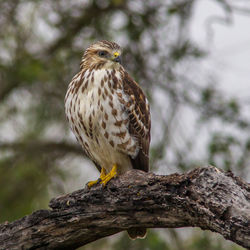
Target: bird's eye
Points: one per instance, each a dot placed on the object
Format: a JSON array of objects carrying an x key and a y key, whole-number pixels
[{"x": 102, "y": 53}]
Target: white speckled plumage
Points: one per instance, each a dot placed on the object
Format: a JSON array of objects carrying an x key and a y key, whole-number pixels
[{"x": 85, "y": 103}]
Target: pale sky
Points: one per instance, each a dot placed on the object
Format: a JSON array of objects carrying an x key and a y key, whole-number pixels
[{"x": 229, "y": 47}]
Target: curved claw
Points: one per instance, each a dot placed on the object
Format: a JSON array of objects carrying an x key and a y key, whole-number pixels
[
  {"x": 102, "y": 177},
  {"x": 110, "y": 175},
  {"x": 92, "y": 183}
]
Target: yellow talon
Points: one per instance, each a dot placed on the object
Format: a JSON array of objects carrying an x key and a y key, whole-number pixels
[
  {"x": 104, "y": 179},
  {"x": 92, "y": 183},
  {"x": 110, "y": 175},
  {"x": 102, "y": 176}
]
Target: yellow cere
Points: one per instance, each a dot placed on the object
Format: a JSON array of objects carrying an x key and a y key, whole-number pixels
[{"x": 116, "y": 54}]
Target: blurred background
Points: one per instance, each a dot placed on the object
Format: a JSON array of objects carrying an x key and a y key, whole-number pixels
[{"x": 191, "y": 58}]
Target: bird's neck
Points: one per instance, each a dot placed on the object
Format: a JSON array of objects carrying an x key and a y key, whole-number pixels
[{"x": 85, "y": 65}]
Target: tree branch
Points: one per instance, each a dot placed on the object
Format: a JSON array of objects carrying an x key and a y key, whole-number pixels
[
  {"x": 208, "y": 198},
  {"x": 78, "y": 23},
  {"x": 42, "y": 146}
]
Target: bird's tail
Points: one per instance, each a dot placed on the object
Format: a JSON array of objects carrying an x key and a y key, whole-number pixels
[{"x": 137, "y": 232}]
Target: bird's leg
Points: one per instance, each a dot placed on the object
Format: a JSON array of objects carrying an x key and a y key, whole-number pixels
[
  {"x": 103, "y": 174},
  {"x": 101, "y": 178},
  {"x": 110, "y": 175}
]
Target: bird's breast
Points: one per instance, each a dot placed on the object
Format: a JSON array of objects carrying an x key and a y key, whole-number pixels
[
  {"x": 92, "y": 101},
  {"x": 95, "y": 110}
]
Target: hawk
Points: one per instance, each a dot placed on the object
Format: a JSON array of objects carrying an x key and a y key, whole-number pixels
[{"x": 109, "y": 115}]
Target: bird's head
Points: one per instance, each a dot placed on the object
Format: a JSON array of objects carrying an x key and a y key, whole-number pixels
[{"x": 102, "y": 54}]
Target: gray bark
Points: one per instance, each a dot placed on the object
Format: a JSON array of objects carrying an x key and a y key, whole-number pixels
[{"x": 208, "y": 198}]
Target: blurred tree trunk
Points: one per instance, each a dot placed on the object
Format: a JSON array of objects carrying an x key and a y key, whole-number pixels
[{"x": 208, "y": 198}]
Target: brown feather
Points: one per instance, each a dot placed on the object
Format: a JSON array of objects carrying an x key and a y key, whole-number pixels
[{"x": 139, "y": 128}]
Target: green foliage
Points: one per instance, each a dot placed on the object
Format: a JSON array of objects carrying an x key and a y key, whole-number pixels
[
  {"x": 186, "y": 49},
  {"x": 24, "y": 187},
  {"x": 204, "y": 241}
]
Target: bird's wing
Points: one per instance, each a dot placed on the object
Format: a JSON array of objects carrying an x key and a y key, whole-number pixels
[{"x": 139, "y": 121}]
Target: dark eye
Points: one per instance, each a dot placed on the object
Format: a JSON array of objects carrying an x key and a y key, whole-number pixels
[{"x": 102, "y": 53}]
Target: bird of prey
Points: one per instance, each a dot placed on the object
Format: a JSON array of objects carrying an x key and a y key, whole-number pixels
[{"x": 109, "y": 115}]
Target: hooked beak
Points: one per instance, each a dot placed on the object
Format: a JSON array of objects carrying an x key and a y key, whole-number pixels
[{"x": 117, "y": 57}]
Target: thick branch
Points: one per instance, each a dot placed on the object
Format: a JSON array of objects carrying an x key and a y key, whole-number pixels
[{"x": 208, "y": 198}]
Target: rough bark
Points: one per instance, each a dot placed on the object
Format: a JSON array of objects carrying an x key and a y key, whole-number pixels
[{"x": 208, "y": 198}]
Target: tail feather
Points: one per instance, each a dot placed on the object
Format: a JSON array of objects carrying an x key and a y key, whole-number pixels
[{"x": 137, "y": 233}]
